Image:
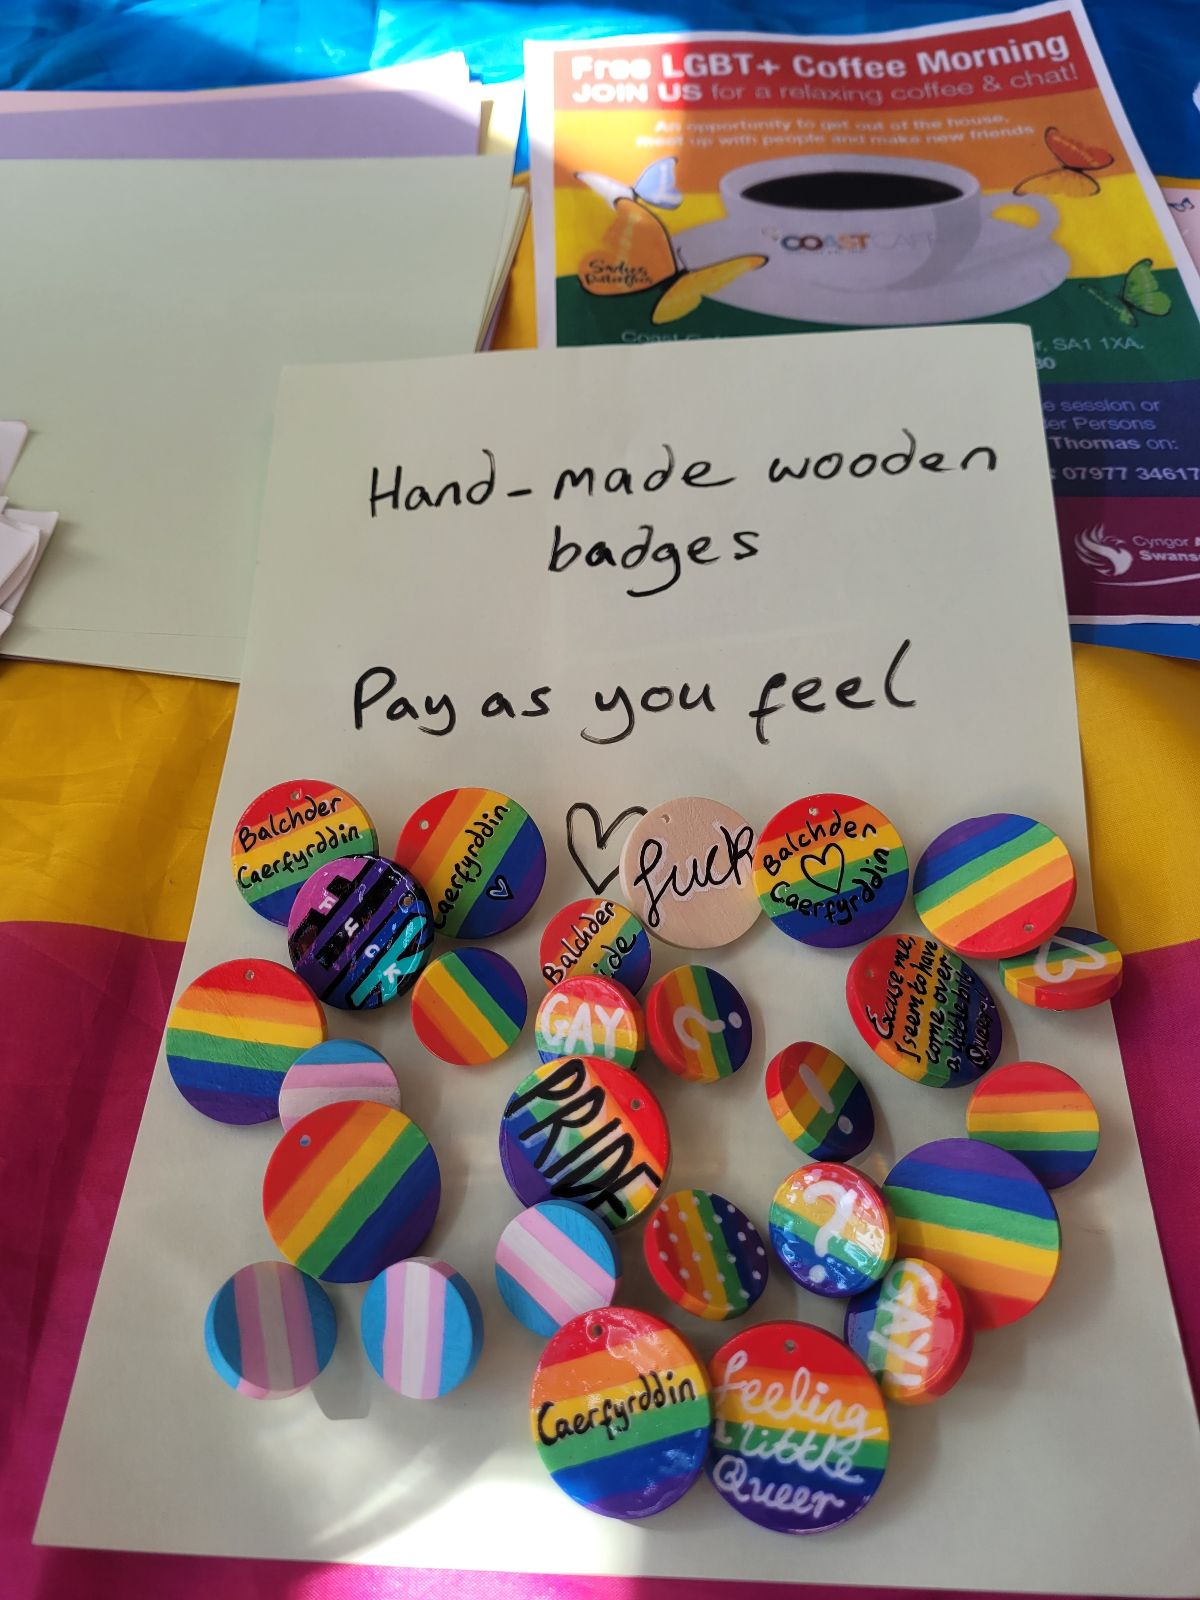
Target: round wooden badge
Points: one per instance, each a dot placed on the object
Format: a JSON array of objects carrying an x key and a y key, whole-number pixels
[
  {"x": 590, "y": 1016},
  {"x": 349, "y": 1189},
  {"x": 687, "y": 871},
  {"x": 422, "y": 1328},
  {"x": 699, "y": 1025},
  {"x": 830, "y": 870},
  {"x": 994, "y": 886},
  {"x": 234, "y": 1032},
  {"x": 923, "y": 1010},
  {"x": 360, "y": 932},
  {"x": 1072, "y": 970},
  {"x": 554, "y": 1262},
  {"x": 480, "y": 857},
  {"x": 981, "y": 1215},
  {"x": 705, "y": 1254},
  {"x": 800, "y": 1433},
  {"x": 819, "y": 1103},
  {"x": 287, "y": 831},
  {"x": 332, "y": 1072},
  {"x": 469, "y": 1006},
  {"x": 586, "y": 1130},
  {"x": 911, "y": 1331},
  {"x": 620, "y": 1412},
  {"x": 595, "y": 936},
  {"x": 269, "y": 1331},
  {"x": 1041, "y": 1116},
  {"x": 832, "y": 1229}
]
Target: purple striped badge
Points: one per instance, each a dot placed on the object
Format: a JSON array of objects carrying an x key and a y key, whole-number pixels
[{"x": 270, "y": 1330}]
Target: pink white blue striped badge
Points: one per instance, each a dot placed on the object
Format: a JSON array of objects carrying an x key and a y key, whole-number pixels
[
  {"x": 555, "y": 1261},
  {"x": 336, "y": 1070},
  {"x": 270, "y": 1330},
  {"x": 422, "y": 1327}
]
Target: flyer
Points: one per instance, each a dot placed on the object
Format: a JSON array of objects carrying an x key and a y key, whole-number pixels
[{"x": 718, "y": 185}]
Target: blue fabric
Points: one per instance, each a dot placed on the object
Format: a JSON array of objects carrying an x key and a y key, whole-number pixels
[{"x": 1152, "y": 46}]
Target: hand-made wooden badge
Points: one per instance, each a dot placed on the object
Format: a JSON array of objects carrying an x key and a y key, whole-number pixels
[
  {"x": 590, "y": 1016},
  {"x": 338, "y": 1069},
  {"x": 350, "y": 1189},
  {"x": 687, "y": 873},
  {"x": 270, "y": 1330},
  {"x": 1041, "y": 1116},
  {"x": 982, "y": 1216},
  {"x": 994, "y": 886},
  {"x": 800, "y": 1433},
  {"x": 1070, "y": 971},
  {"x": 480, "y": 857},
  {"x": 234, "y": 1032},
  {"x": 469, "y": 1006},
  {"x": 422, "y": 1328},
  {"x": 923, "y": 1010},
  {"x": 699, "y": 1025},
  {"x": 705, "y": 1254},
  {"x": 595, "y": 936},
  {"x": 620, "y": 1412},
  {"x": 819, "y": 1103},
  {"x": 553, "y": 1262},
  {"x": 911, "y": 1331},
  {"x": 832, "y": 1229},
  {"x": 287, "y": 831},
  {"x": 830, "y": 870},
  {"x": 585, "y": 1130},
  {"x": 360, "y": 932}
]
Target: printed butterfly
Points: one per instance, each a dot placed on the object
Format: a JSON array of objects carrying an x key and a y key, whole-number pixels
[
  {"x": 656, "y": 186},
  {"x": 1138, "y": 293},
  {"x": 1073, "y": 175}
]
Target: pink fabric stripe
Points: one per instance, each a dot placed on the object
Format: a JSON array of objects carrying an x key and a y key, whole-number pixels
[
  {"x": 246, "y": 1295},
  {"x": 302, "y": 1346},
  {"x": 568, "y": 1252}
]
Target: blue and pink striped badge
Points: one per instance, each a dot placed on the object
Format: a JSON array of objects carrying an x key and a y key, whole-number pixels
[
  {"x": 270, "y": 1330},
  {"x": 422, "y": 1328},
  {"x": 555, "y": 1261}
]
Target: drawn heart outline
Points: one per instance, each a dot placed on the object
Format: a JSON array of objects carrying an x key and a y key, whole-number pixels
[
  {"x": 498, "y": 889},
  {"x": 603, "y": 833},
  {"x": 821, "y": 861}
]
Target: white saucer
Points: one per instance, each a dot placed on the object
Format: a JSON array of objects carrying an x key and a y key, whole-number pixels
[{"x": 984, "y": 284}]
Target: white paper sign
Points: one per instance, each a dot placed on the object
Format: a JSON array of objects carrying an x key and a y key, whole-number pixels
[{"x": 833, "y": 566}]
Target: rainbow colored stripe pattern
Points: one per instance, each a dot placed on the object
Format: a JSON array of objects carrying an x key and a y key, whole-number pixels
[
  {"x": 269, "y": 1331},
  {"x": 705, "y": 1254},
  {"x": 286, "y": 832},
  {"x": 699, "y": 1025},
  {"x": 469, "y": 1006},
  {"x": 1074, "y": 969},
  {"x": 800, "y": 1436},
  {"x": 1041, "y": 1116},
  {"x": 234, "y": 1032},
  {"x": 590, "y": 1016},
  {"x": 597, "y": 936},
  {"x": 980, "y": 1215},
  {"x": 620, "y": 1412},
  {"x": 360, "y": 932},
  {"x": 830, "y": 870},
  {"x": 819, "y": 1102},
  {"x": 586, "y": 1130},
  {"x": 422, "y": 1328},
  {"x": 553, "y": 1262},
  {"x": 832, "y": 1229},
  {"x": 994, "y": 886},
  {"x": 334, "y": 1071},
  {"x": 911, "y": 1332},
  {"x": 350, "y": 1189},
  {"x": 481, "y": 859}
]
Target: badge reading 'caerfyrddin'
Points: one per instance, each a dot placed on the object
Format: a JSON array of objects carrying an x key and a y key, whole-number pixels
[
  {"x": 1041, "y": 1116},
  {"x": 994, "y": 886},
  {"x": 286, "y": 832},
  {"x": 705, "y": 1254},
  {"x": 699, "y": 1025},
  {"x": 595, "y": 936},
  {"x": 912, "y": 1332},
  {"x": 819, "y": 1103},
  {"x": 800, "y": 1435},
  {"x": 480, "y": 857},
  {"x": 1072, "y": 970},
  {"x": 832, "y": 1229},
  {"x": 359, "y": 932},
  {"x": 830, "y": 870},
  {"x": 620, "y": 1412},
  {"x": 585, "y": 1130},
  {"x": 587, "y": 1015},
  {"x": 923, "y": 1010},
  {"x": 687, "y": 872}
]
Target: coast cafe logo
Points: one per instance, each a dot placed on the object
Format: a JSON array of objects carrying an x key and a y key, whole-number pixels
[{"x": 844, "y": 243}]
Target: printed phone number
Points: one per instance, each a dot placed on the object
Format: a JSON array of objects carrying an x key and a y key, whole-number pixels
[{"x": 1122, "y": 474}]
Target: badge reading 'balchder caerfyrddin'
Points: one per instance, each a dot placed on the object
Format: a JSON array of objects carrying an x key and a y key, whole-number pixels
[{"x": 287, "y": 831}]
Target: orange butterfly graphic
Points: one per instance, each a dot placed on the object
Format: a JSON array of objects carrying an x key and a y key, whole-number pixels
[
  {"x": 636, "y": 253},
  {"x": 1073, "y": 174}
]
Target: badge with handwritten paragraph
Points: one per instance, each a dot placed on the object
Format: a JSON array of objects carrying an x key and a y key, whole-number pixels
[
  {"x": 687, "y": 872},
  {"x": 912, "y": 1332},
  {"x": 480, "y": 857}
]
